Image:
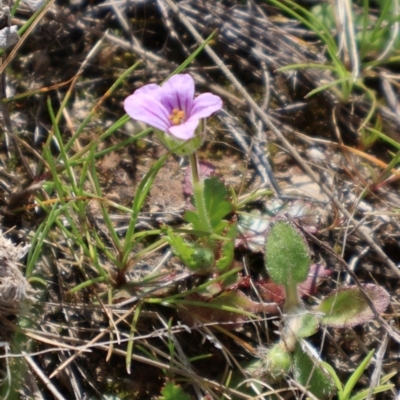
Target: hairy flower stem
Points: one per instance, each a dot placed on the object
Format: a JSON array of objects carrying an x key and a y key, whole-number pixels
[{"x": 199, "y": 200}]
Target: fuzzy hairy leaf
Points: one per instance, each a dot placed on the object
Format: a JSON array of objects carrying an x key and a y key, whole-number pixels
[
  {"x": 303, "y": 325},
  {"x": 273, "y": 364},
  {"x": 193, "y": 218},
  {"x": 278, "y": 361},
  {"x": 347, "y": 307},
  {"x": 287, "y": 253},
  {"x": 309, "y": 371}
]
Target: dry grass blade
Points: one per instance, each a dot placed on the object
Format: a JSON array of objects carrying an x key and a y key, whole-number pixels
[
  {"x": 55, "y": 342},
  {"x": 257, "y": 157},
  {"x": 14, "y": 51},
  {"x": 378, "y": 366},
  {"x": 42, "y": 376}
]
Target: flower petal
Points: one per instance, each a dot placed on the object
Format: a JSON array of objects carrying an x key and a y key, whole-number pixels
[
  {"x": 184, "y": 131},
  {"x": 178, "y": 92},
  {"x": 147, "y": 109},
  {"x": 151, "y": 89},
  {"x": 205, "y": 105}
]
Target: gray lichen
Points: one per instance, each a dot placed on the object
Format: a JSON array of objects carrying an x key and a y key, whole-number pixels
[{"x": 15, "y": 291}]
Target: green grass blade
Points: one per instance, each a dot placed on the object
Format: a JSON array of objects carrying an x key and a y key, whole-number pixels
[
  {"x": 375, "y": 63},
  {"x": 140, "y": 197},
  {"x": 335, "y": 378},
  {"x": 31, "y": 20},
  {"x": 386, "y": 172},
  {"x": 374, "y": 103},
  {"x": 365, "y": 23},
  {"x": 15, "y": 8},
  {"x": 306, "y": 65},
  {"x": 87, "y": 283},
  {"x": 106, "y": 216},
  {"x": 380, "y": 389},
  {"x": 356, "y": 375},
  {"x": 378, "y": 26},
  {"x": 40, "y": 237},
  {"x": 384, "y": 137},
  {"x": 129, "y": 348},
  {"x": 317, "y": 27},
  {"x": 326, "y": 86},
  {"x": 76, "y": 158},
  {"x": 63, "y": 153}
]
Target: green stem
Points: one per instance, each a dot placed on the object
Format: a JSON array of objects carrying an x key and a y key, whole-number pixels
[
  {"x": 198, "y": 194},
  {"x": 292, "y": 300}
]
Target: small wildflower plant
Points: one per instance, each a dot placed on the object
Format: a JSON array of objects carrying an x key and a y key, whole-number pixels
[
  {"x": 90, "y": 240},
  {"x": 215, "y": 225},
  {"x": 177, "y": 118}
]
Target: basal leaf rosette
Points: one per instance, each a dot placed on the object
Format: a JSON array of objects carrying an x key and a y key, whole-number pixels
[{"x": 175, "y": 114}]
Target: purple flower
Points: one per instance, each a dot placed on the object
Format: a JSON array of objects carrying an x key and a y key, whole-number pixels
[{"x": 172, "y": 108}]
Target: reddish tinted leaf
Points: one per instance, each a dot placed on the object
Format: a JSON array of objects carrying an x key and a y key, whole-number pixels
[
  {"x": 273, "y": 292},
  {"x": 347, "y": 306},
  {"x": 316, "y": 275}
]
